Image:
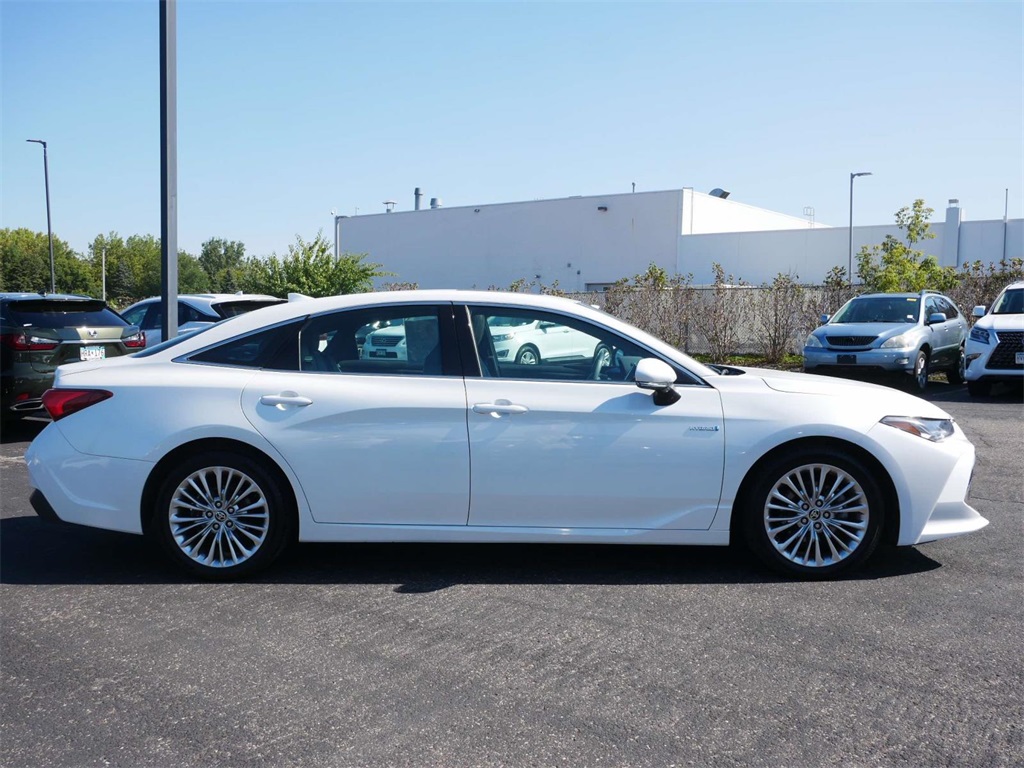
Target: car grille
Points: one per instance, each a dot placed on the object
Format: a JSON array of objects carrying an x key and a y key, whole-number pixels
[
  {"x": 385, "y": 341},
  {"x": 850, "y": 341},
  {"x": 1005, "y": 353}
]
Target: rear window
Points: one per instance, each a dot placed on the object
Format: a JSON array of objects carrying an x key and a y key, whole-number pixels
[
  {"x": 232, "y": 308},
  {"x": 51, "y": 313}
]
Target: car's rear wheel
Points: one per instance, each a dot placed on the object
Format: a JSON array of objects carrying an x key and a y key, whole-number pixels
[
  {"x": 956, "y": 375},
  {"x": 528, "y": 355},
  {"x": 979, "y": 388},
  {"x": 814, "y": 513},
  {"x": 222, "y": 515}
]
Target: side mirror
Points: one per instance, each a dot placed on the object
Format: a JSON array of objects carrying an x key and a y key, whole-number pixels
[
  {"x": 658, "y": 376},
  {"x": 935, "y": 318},
  {"x": 825, "y": 318},
  {"x": 979, "y": 311}
]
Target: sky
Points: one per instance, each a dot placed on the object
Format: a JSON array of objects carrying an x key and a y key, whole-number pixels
[{"x": 289, "y": 111}]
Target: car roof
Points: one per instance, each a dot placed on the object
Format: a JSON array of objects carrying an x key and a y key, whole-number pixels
[{"x": 15, "y": 296}]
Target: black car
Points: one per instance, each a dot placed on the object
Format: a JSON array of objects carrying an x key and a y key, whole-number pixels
[{"x": 39, "y": 332}]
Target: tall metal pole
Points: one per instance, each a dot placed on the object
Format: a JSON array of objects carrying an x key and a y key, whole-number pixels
[
  {"x": 49, "y": 227},
  {"x": 169, "y": 168},
  {"x": 103, "y": 266},
  {"x": 849, "y": 272}
]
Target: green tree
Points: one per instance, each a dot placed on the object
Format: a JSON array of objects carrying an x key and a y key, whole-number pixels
[
  {"x": 25, "y": 264},
  {"x": 896, "y": 265},
  {"x": 310, "y": 268},
  {"x": 134, "y": 268},
  {"x": 221, "y": 259}
]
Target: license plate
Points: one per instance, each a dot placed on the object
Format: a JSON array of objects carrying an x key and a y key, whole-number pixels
[
  {"x": 93, "y": 353},
  {"x": 1020, "y": 358},
  {"x": 846, "y": 359},
  {"x": 382, "y": 353}
]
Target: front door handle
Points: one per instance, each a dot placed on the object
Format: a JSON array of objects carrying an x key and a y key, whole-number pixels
[
  {"x": 286, "y": 398},
  {"x": 499, "y": 408}
]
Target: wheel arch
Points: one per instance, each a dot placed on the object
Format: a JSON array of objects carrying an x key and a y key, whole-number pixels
[
  {"x": 147, "y": 510},
  {"x": 891, "y": 532}
]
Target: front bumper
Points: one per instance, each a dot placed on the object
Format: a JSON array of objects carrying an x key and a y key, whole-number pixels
[{"x": 892, "y": 360}]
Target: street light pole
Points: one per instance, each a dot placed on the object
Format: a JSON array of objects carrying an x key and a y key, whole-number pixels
[
  {"x": 49, "y": 228},
  {"x": 849, "y": 272}
]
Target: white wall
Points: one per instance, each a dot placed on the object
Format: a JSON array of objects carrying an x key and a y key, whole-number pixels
[
  {"x": 568, "y": 240},
  {"x": 704, "y": 214},
  {"x": 574, "y": 242}
]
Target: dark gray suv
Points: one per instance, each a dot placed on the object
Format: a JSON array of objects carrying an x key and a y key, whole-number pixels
[{"x": 912, "y": 333}]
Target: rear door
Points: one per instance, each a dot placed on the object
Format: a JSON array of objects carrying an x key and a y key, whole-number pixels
[{"x": 372, "y": 441}]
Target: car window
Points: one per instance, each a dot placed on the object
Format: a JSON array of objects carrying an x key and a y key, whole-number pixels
[
  {"x": 134, "y": 315},
  {"x": 275, "y": 348},
  {"x": 388, "y": 340},
  {"x": 947, "y": 307},
  {"x": 54, "y": 313},
  {"x": 189, "y": 314},
  {"x": 241, "y": 306},
  {"x": 532, "y": 344}
]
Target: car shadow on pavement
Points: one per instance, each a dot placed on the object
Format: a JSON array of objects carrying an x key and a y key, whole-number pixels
[
  {"x": 36, "y": 552},
  {"x": 1002, "y": 392},
  {"x": 22, "y": 430}
]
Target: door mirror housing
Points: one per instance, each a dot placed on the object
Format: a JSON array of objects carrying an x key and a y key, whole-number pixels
[
  {"x": 935, "y": 318},
  {"x": 658, "y": 376},
  {"x": 979, "y": 311},
  {"x": 825, "y": 318}
]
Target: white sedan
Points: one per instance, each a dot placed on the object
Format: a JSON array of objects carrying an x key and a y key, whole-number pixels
[{"x": 231, "y": 443}]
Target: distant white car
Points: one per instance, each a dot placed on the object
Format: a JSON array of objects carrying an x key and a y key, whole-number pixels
[
  {"x": 529, "y": 342},
  {"x": 195, "y": 311},
  {"x": 995, "y": 348},
  {"x": 516, "y": 340}
]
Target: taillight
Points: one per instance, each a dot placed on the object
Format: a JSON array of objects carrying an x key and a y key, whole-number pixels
[
  {"x": 63, "y": 402},
  {"x": 22, "y": 342},
  {"x": 136, "y": 340}
]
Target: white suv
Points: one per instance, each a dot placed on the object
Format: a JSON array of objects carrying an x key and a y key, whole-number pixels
[
  {"x": 995, "y": 348},
  {"x": 528, "y": 342}
]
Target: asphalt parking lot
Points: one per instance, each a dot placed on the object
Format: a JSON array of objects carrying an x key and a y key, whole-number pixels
[{"x": 443, "y": 655}]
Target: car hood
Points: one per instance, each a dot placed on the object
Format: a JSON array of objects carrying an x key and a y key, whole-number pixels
[
  {"x": 854, "y": 394},
  {"x": 863, "y": 329},
  {"x": 1001, "y": 322}
]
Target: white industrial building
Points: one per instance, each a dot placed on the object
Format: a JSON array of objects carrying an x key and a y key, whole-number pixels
[{"x": 586, "y": 243}]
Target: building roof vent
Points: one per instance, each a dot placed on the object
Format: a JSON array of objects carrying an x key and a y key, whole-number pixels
[{"x": 719, "y": 192}]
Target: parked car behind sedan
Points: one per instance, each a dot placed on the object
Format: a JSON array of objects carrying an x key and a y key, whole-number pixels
[
  {"x": 195, "y": 311},
  {"x": 911, "y": 333},
  {"x": 995, "y": 348},
  {"x": 39, "y": 332}
]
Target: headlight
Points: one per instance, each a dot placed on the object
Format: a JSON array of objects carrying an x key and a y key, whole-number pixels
[
  {"x": 979, "y": 335},
  {"x": 896, "y": 342},
  {"x": 502, "y": 337},
  {"x": 812, "y": 341},
  {"x": 935, "y": 430}
]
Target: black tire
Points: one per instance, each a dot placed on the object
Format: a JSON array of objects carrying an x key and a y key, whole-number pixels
[
  {"x": 956, "y": 375},
  {"x": 528, "y": 355},
  {"x": 919, "y": 378},
  {"x": 792, "y": 541},
  {"x": 222, "y": 515},
  {"x": 979, "y": 388}
]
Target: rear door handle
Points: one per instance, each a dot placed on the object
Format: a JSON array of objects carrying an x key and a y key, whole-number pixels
[
  {"x": 497, "y": 409},
  {"x": 286, "y": 398}
]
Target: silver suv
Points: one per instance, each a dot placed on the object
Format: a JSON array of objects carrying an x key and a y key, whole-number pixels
[{"x": 913, "y": 333}]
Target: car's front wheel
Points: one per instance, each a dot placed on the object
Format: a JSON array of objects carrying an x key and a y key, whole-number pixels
[
  {"x": 223, "y": 515},
  {"x": 921, "y": 370},
  {"x": 814, "y": 513},
  {"x": 528, "y": 355}
]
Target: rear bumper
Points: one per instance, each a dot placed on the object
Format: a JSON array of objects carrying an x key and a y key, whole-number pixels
[{"x": 74, "y": 487}]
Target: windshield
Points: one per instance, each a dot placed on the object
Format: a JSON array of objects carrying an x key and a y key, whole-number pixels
[
  {"x": 1010, "y": 303},
  {"x": 879, "y": 309}
]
